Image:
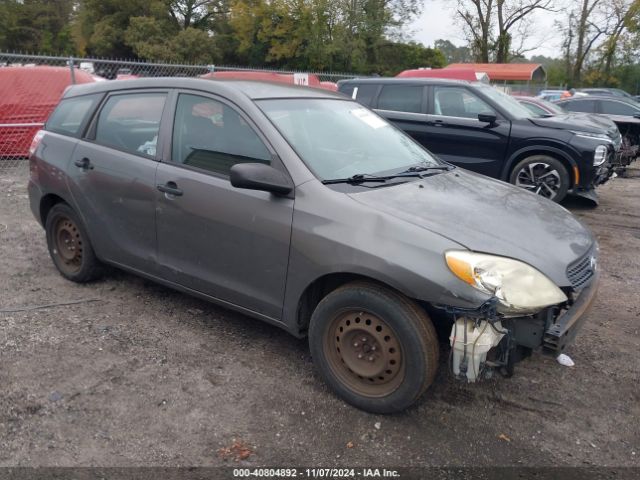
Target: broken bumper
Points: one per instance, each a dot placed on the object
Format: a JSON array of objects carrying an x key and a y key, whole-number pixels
[{"x": 561, "y": 333}]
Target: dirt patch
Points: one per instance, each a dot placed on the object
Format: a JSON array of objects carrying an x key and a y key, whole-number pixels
[{"x": 142, "y": 375}]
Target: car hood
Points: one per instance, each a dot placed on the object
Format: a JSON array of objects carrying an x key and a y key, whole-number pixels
[
  {"x": 489, "y": 216},
  {"x": 582, "y": 122}
]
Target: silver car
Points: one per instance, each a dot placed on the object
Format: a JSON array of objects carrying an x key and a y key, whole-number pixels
[{"x": 308, "y": 211}]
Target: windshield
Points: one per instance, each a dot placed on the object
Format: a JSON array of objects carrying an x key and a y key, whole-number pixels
[
  {"x": 340, "y": 138},
  {"x": 506, "y": 102}
]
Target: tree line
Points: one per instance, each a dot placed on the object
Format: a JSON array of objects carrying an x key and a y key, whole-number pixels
[
  {"x": 361, "y": 36},
  {"x": 598, "y": 40}
]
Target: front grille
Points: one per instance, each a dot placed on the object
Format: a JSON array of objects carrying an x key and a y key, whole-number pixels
[{"x": 582, "y": 271}]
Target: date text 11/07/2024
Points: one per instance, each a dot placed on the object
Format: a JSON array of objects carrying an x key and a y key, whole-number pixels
[{"x": 315, "y": 473}]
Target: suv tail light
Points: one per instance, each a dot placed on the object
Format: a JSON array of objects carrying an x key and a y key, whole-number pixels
[{"x": 35, "y": 142}]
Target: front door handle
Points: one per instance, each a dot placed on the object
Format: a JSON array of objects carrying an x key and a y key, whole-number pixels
[
  {"x": 439, "y": 123},
  {"x": 170, "y": 188},
  {"x": 84, "y": 164}
]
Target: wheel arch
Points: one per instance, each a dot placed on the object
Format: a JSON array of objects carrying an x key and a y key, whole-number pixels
[
  {"x": 47, "y": 202},
  {"x": 321, "y": 287},
  {"x": 553, "y": 152}
]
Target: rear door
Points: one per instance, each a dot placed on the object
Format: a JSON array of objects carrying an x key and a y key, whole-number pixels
[
  {"x": 229, "y": 243},
  {"x": 112, "y": 177},
  {"x": 405, "y": 106},
  {"x": 454, "y": 133}
]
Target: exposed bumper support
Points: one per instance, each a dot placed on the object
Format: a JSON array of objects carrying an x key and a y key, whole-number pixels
[{"x": 564, "y": 330}]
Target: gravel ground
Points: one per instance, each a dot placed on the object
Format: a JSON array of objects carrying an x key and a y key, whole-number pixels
[{"x": 141, "y": 375}]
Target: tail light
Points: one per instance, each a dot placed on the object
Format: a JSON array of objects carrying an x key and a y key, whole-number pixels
[{"x": 36, "y": 141}]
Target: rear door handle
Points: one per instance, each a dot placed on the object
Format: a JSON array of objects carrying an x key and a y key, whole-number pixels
[
  {"x": 84, "y": 164},
  {"x": 170, "y": 188},
  {"x": 439, "y": 123}
]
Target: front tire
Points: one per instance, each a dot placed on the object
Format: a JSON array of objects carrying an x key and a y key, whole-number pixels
[
  {"x": 375, "y": 348},
  {"x": 543, "y": 175},
  {"x": 69, "y": 245}
]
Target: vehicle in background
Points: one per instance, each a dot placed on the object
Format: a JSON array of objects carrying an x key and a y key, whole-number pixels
[
  {"x": 302, "y": 79},
  {"x": 539, "y": 106},
  {"x": 615, "y": 92},
  {"x": 551, "y": 95},
  {"x": 447, "y": 73},
  {"x": 27, "y": 96},
  {"x": 623, "y": 112},
  {"x": 484, "y": 130},
  {"x": 306, "y": 210},
  {"x": 126, "y": 74}
]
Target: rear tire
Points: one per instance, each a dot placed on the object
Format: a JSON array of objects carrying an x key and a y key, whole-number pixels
[
  {"x": 543, "y": 175},
  {"x": 69, "y": 245},
  {"x": 375, "y": 348}
]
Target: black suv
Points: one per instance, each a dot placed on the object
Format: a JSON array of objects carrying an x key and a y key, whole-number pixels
[{"x": 478, "y": 127}]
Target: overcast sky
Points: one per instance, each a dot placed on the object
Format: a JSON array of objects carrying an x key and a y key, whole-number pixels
[{"x": 437, "y": 22}]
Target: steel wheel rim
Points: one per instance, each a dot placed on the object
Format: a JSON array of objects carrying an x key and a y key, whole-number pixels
[
  {"x": 540, "y": 178},
  {"x": 67, "y": 245},
  {"x": 364, "y": 353}
]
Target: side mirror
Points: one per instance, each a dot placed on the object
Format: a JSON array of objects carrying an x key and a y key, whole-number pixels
[
  {"x": 258, "y": 176},
  {"x": 489, "y": 118}
]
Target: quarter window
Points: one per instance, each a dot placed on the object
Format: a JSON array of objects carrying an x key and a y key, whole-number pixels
[
  {"x": 131, "y": 122},
  {"x": 70, "y": 114},
  {"x": 458, "y": 102},
  {"x": 400, "y": 98},
  {"x": 212, "y": 136}
]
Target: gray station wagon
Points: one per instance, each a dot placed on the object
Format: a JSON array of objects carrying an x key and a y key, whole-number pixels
[{"x": 306, "y": 210}]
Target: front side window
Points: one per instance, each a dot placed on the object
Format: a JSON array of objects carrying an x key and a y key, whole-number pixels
[
  {"x": 130, "y": 122},
  {"x": 210, "y": 135},
  {"x": 340, "y": 138},
  {"x": 458, "y": 102},
  {"x": 618, "y": 108},
  {"x": 400, "y": 98},
  {"x": 70, "y": 114}
]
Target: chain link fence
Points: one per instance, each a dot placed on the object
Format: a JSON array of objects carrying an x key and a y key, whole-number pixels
[{"x": 31, "y": 85}]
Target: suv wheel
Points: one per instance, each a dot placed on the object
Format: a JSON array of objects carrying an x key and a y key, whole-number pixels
[
  {"x": 69, "y": 245},
  {"x": 542, "y": 175},
  {"x": 376, "y": 348}
]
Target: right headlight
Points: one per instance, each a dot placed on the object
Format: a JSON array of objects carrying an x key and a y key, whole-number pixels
[
  {"x": 600, "y": 155},
  {"x": 519, "y": 288}
]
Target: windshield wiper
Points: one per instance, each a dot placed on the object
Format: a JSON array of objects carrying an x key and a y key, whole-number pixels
[
  {"x": 427, "y": 168},
  {"x": 365, "y": 177}
]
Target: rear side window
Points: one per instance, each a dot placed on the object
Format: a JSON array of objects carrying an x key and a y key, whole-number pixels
[
  {"x": 584, "y": 106},
  {"x": 131, "y": 122},
  {"x": 401, "y": 98},
  {"x": 71, "y": 114},
  {"x": 364, "y": 94}
]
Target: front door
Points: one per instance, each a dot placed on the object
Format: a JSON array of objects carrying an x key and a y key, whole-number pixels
[
  {"x": 455, "y": 134},
  {"x": 229, "y": 243}
]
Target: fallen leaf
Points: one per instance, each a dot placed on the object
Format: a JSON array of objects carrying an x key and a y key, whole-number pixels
[
  {"x": 238, "y": 450},
  {"x": 502, "y": 436},
  {"x": 350, "y": 445}
]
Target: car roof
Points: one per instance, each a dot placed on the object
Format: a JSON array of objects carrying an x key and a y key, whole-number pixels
[
  {"x": 607, "y": 98},
  {"x": 251, "y": 89},
  {"x": 408, "y": 80}
]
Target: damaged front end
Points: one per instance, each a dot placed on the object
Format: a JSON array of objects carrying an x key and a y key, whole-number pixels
[{"x": 486, "y": 339}]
